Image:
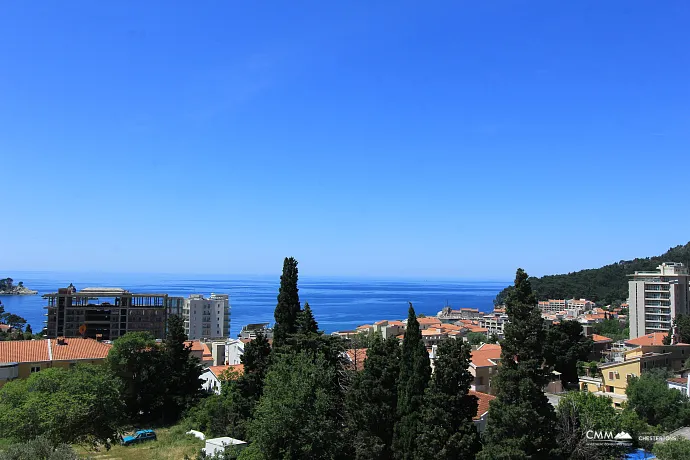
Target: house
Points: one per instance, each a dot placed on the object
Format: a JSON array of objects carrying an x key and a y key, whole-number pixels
[
  {"x": 250, "y": 331},
  {"x": 389, "y": 329},
  {"x": 483, "y": 401},
  {"x": 355, "y": 358},
  {"x": 433, "y": 336},
  {"x": 600, "y": 346},
  {"x": 655, "y": 338},
  {"x": 681, "y": 384},
  {"x": 483, "y": 366},
  {"x": 428, "y": 321},
  {"x": 21, "y": 358},
  {"x": 201, "y": 351},
  {"x": 350, "y": 334},
  {"x": 212, "y": 376}
]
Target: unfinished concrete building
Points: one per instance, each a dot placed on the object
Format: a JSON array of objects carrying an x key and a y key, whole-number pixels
[{"x": 105, "y": 313}]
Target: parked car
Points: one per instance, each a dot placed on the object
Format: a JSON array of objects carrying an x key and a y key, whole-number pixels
[{"x": 139, "y": 436}]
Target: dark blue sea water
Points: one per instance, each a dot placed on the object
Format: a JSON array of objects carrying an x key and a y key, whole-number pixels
[{"x": 337, "y": 303}]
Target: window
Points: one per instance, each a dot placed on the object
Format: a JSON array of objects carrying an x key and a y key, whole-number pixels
[
  {"x": 609, "y": 388},
  {"x": 35, "y": 369},
  {"x": 480, "y": 380},
  {"x": 610, "y": 375}
]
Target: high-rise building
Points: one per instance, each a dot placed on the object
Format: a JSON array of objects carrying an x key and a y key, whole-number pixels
[
  {"x": 656, "y": 298},
  {"x": 104, "y": 313},
  {"x": 206, "y": 318}
]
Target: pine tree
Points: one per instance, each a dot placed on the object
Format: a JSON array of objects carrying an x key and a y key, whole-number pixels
[
  {"x": 412, "y": 382},
  {"x": 521, "y": 421},
  {"x": 448, "y": 431},
  {"x": 372, "y": 401},
  {"x": 288, "y": 307},
  {"x": 306, "y": 324}
]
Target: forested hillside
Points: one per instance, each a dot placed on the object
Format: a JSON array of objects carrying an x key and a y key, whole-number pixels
[{"x": 606, "y": 284}]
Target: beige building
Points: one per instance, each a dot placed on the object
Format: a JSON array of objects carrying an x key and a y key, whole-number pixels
[
  {"x": 656, "y": 298},
  {"x": 21, "y": 358},
  {"x": 484, "y": 366}
]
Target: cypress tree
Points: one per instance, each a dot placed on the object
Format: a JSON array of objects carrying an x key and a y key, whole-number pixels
[
  {"x": 412, "y": 382},
  {"x": 521, "y": 420},
  {"x": 306, "y": 324},
  {"x": 448, "y": 431},
  {"x": 372, "y": 401},
  {"x": 288, "y": 303}
]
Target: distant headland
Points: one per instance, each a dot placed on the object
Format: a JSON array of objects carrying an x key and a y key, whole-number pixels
[{"x": 7, "y": 287}]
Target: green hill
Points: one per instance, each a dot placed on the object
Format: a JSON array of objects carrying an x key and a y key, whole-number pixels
[{"x": 606, "y": 284}]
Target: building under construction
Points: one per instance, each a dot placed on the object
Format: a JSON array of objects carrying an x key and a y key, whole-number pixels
[{"x": 105, "y": 313}]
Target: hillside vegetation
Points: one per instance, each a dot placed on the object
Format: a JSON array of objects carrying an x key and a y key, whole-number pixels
[{"x": 607, "y": 284}]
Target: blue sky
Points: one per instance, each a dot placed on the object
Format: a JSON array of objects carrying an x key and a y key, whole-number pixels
[{"x": 436, "y": 139}]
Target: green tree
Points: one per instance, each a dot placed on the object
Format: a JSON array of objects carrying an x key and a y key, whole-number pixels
[
  {"x": 305, "y": 321},
  {"x": 244, "y": 394},
  {"x": 447, "y": 430},
  {"x": 296, "y": 417},
  {"x": 521, "y": 421},
  {"x": 476, "y": 338},
  {"x": 180, "y": 382},
  {"x": 76, "y": 405},
  {"x": 372, "y": 399},
  {"x": 288, "y": 307},
  {"x": 415, "y": 370},
  {"x": 136, "y": 359},
  {"x": 578, "y": 412},
  {"x": 566, "y": 345},
  {"x": 682, "y": 325},
  {"x": 678, "y": 449},
  {"x": 493, "y": 338},
  {"x": 40, "y": 448},
  {"x": 658, "y": 405}
]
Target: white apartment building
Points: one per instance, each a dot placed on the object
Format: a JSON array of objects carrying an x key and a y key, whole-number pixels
[
  {"x": 656, "y": 298},
  {"x": 494, "y": 323},
  {"x": 206, "y": 318}
]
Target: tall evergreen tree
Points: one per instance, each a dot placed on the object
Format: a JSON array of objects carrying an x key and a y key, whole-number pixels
[
  {"x": 412, "y": 382},
  {"x": 288, "y": 303},
  {"x": 306, "y": 323},
  {"x": 566, "y": 345},
  {"x": 521, "y": 420},
  {"x": 372, "y": 401},
  {"x": 183, "y": 387},
  {"x": 448, "y": 431}
]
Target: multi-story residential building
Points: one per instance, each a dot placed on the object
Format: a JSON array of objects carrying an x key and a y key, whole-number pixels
[
  {"x": 581, "y": 305},
  {"x": 206, "y": 318},
  {"x": 656, "y": 298},
  {"x": 484, "y": 366},
  {"x": 448, "y": 315},
  {"x": 552, "y": 305},
  {"x": 104, "y": 313},
  {"x": 21, "y": 358},
  {"x": 389, "y": 329},
  {"x": 494, "y": 323}
]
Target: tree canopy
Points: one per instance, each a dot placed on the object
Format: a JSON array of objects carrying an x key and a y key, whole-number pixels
[
  {"x": 288, "y": 307},
  {"x": 566, "y": 345},
  {"x": 606, "y": 284}
]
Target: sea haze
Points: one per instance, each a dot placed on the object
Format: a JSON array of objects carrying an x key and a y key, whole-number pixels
[{"x": 338, "y": 304}]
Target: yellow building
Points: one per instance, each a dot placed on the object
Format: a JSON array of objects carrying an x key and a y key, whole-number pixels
[
  {"x": 21, "y": 358},
  {"x": 615, "y": 376}
]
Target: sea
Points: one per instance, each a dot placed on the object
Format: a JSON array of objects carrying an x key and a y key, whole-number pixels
[{"x": 337, "y": 303}]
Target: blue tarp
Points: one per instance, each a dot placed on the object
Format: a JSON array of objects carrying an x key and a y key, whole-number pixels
[{"x": 639, "y": 454}]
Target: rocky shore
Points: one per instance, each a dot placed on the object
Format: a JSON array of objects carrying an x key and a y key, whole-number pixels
[{"x": 18, "y": 290}]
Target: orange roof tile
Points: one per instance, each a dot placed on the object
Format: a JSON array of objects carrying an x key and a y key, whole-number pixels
[
  {"x": 483, "y": 357},
  {"x": 401, "y": 336},
  {"x": 379, "y": 323},
  {"x": 473, "y": 328},
  {"x": 364, "y": 326},
  {"x": 655, "y": 338},
  {"x": 600, "y": 338},
  {"x": 483, "y": 401},
  {"x": 429, "y": 320},
  {"x": 31, "y": 351},
  {"x": 207, "y": 351},
  {"x": 450, "y": 327},
  {"x": 678, "y": 380},
  {"x": 218, "y": 370},
  {"x": 360, "y": 355},
  {"x": 432, "y": 331},
  {"x": 396, "y": 323}
]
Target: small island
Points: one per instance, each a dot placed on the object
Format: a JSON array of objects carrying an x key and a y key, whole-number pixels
[{"x": 7, "y": 287}]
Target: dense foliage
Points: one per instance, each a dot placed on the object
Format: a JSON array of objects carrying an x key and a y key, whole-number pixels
[
  {"x": 682, "y": 325},
  {"x": 372, "y": 401},
  {"x": 16, "y": 321},
  {"x": 158, "y": 381},
  {"x": 566, "y": 345},
  {"x": 678, "y": 449},
  {"x": 521, "y": 418},
  {"x": 654, "y": 402},
  {"x": 81, "y": 404},
  {"x": 447, "y": 430},
  {"x": 606, "y": 284},
  {"x": 288, "y": 307},
  {"x": 40, "y": 448},
  {"x": 415, "y": 371}
]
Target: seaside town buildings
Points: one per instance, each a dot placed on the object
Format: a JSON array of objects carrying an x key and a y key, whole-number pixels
[
  {"x": 656, "y": 298},
  {"x": 207, "y": 318}
]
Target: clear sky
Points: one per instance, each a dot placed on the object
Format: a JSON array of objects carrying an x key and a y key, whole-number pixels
[{"x": 450, "y": 139}]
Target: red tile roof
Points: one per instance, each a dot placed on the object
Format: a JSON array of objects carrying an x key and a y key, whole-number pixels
[
  {"x": 600, "y": 338},
  {"x": 649, "y": 339},
  {"x": 678, "y": 380},
  {"x": 31, "y": 351},
  {"x": 218, "y": 370},
  {"x": 429, "y": 320},
  {"x": 360, "y": 354},
  {"x": 486, "y": 355},
  {"x": 483, "y": 401}
]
